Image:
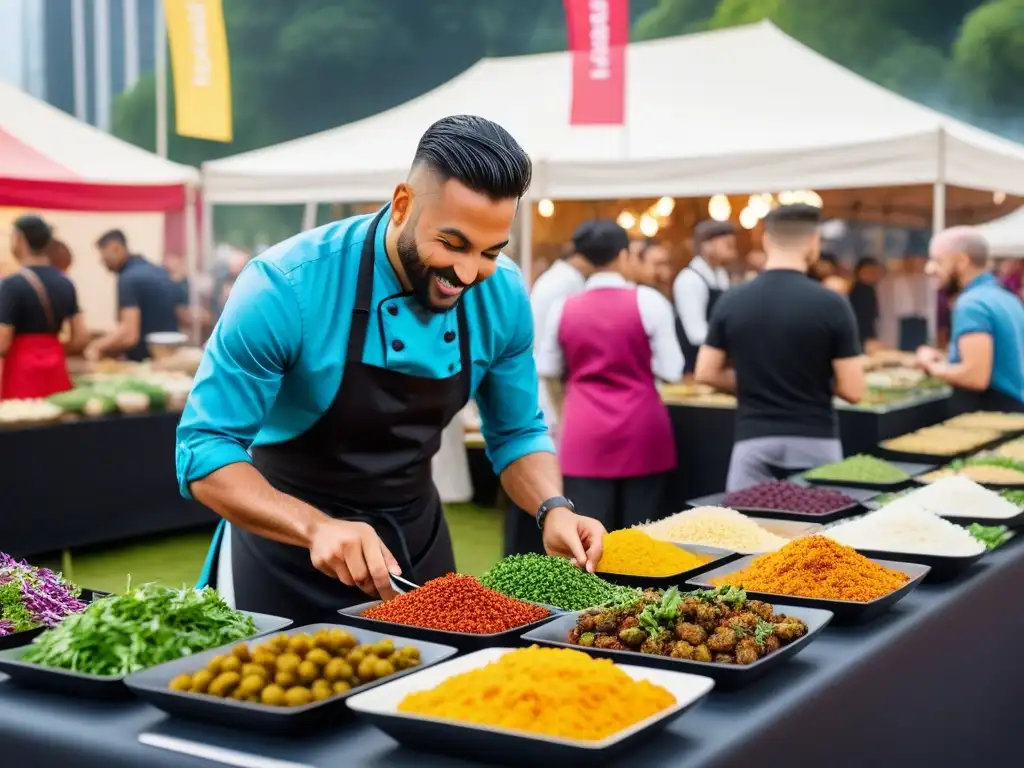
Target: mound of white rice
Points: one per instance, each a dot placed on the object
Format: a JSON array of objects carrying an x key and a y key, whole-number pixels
[
  {"x": 907, "y": 530},
  {"x": 956, "y": 496}
]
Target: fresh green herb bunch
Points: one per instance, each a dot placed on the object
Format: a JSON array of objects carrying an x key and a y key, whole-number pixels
[
  {"x": 554, "y": 581},
  {"x": 861, "y": 469},
  {"x": 149, "y": 625},
  {"x": 1014, "y": 497},
  {"x": 992, "y": 536}
]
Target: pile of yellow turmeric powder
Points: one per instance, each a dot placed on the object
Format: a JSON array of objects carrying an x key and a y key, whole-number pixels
[
  {"x": 551, "y": 691},
  {"x": 634, "y": 553}
]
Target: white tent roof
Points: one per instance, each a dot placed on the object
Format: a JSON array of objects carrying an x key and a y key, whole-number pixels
[
  {"x": 39, "y": 142},
  {"x": 706, "y": 113},
  {"x": 1006, "y": 235}
]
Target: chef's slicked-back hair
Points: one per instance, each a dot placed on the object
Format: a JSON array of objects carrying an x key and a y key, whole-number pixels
[{"x": 478, "y": 153}]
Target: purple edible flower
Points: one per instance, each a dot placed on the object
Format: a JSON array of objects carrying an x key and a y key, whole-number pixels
[{"x": 6, "y": 627}]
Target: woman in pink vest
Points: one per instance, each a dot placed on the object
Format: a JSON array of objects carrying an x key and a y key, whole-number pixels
[{"x": 606, "y": 347}]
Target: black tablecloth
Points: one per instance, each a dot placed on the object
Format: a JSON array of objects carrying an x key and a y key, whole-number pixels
[
  {"x": 935, "y": 682},
  {"x": 91, "y": 481}
]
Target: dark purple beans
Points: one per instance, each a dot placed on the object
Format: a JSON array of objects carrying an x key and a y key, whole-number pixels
[{"x": 788, "y": 497}]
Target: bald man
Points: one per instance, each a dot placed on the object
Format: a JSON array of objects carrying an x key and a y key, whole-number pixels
[{"x": 985, "y": 361}]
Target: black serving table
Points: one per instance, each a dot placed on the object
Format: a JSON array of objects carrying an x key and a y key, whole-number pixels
[
  {"x": 704, "y": 438},
  {"x": 862, "y": 428},
  {"x": 91, "y": 481},
  {"x": 884, "y": 693}
]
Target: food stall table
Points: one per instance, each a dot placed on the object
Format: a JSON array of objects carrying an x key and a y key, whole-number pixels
[
  {"x": 863, "y": 428},
  {"x": 91, "y": 481},
  {"x": 932, "y": 683},
  {"x": 704, "y": 437}
]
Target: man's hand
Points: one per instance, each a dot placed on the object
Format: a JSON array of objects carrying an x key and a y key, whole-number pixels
[
  {"x": 92, "y": 352},
  {"x": 928, "y": 356},
  {"x": 353, "y": 554},
  {"x": 581, "y": 539}
]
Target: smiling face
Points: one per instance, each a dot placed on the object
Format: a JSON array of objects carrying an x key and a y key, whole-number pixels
[{"x": 448, "y": 237}]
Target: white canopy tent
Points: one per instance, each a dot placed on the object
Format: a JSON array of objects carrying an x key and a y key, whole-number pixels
[
  {"x": 707, "y": 113},
  {"x": 1006, "y": 235}
]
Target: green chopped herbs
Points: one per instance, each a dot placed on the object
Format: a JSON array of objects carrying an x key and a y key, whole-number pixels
[
  {"x": 553, "y": 581},
  {"x": 1014, "y": 497},
  {"x": 992, "y": 536},
  {"x": 859, "y": 469},
  {"x": 149, "y": 625}
]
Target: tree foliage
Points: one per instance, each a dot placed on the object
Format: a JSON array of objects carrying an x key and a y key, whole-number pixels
[{"x": 308, "y": 65}]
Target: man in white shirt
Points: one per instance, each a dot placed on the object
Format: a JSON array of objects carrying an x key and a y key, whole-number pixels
[
  {"x": 701, "y": 283},
  {"x": 609, "y": 344},
  {"x": 558, "y": 282},
  {"x": 651, "y": 264}
]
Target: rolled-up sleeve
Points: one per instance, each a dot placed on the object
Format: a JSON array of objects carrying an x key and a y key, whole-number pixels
[
  {"x": 256, "y": 339},
  {"x": 511, "y": 421}
]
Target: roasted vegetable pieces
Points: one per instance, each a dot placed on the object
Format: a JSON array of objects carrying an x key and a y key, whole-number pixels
[
  {"x": 710, "y": 625},
  {"x": 295, "y": 670},
  {"x": 33, "y": 597},
  {"x": 149, "y": 625}
]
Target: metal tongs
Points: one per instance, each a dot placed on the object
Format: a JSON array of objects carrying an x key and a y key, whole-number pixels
[{"x": 401, "y": 585}]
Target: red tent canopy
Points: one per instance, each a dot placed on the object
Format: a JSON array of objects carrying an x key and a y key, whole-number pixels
[{"x": 50, "y": 160}]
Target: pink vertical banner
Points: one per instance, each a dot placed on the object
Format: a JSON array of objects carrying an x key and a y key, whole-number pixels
[{"x": 598, "y": 36}]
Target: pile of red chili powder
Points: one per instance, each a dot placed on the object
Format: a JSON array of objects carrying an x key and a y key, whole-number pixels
[{"x": 455, "y": 603}]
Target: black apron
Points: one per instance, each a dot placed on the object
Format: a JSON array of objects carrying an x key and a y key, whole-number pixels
[
  {"x": 367, "y": 459},
  {"x": 690, "y": 350}
]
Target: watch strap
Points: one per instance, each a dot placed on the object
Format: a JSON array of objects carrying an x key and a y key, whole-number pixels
[{"x": 553, "y": 503}]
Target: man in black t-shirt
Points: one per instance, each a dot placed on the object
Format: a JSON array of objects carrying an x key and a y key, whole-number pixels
[
  {"x": 148, "y": 301},
  {"x": 785, "y": 345}
]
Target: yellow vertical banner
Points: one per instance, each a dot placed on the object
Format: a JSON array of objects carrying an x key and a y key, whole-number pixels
[{"x": 202, "y": 72}]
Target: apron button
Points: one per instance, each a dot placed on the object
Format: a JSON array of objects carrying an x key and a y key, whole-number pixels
[
  {"x": 392, "y": 309},
  {"x": 397, "y": 345},
  {"x": 449, "y": 336}
]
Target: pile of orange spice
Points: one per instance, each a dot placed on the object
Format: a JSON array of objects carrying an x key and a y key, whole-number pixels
[{"x": 817, "y": 566}]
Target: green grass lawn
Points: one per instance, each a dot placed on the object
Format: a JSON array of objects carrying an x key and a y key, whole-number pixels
[{"x": 477, "y": 535}]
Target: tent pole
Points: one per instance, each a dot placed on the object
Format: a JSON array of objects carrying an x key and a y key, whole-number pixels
[
  {"x": 160, "y": 72},
  {"x": 192, "y": 260},
  {"x": 525, "y": 238},
  {"x": 309, "y": 216},
  {"x": 938, "y": 221},
  {"x": 207, "y": 234}
]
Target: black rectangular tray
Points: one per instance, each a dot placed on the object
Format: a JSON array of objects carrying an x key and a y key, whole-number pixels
[
  {"x": 19, "y": 639},
  {"x": 719, "y": 557},
  {"x": 726, "y": 676},
  {"x": 464, "y": 641},
  {"x": 943, "y": 567},
  {"x": 151, "y": 685},
  {"x": 68, "y": 683},
  {"x": 911, "y": 468},
  {"x": 715, "y": 500},
  {"x": 845, "y": 611}
]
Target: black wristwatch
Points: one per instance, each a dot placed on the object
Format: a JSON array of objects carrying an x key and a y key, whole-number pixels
[{"x": 553, "y": 503}]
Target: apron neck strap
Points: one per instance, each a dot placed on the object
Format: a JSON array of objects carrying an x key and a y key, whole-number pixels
[{"x": 364, "y": 292}]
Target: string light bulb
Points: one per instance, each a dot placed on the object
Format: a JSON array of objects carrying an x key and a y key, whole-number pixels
[
  {"x": 719, "y": 208},
  {"x": 546, "y": 208},
  {"x": 998, "y": 198},
  {"x": 664, "y": 207},
  {"x": 648, "y": 225},
  {"x": 626, "y": 220},
  {"x": 748, "y": 218}
]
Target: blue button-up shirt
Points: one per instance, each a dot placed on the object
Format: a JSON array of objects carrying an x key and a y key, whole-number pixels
[
  {"x": 985, "y": 306},
  {"x": 275, "y": 361}
]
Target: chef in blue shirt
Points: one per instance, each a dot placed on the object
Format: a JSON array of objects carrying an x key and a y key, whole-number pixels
[{"x": 341, "y": 355}]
